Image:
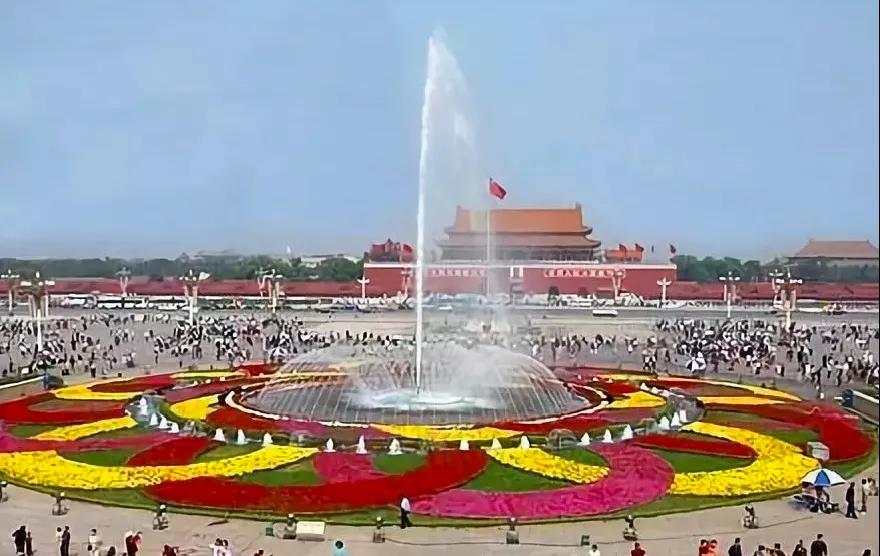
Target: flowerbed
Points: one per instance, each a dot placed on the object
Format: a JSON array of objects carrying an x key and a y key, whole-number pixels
[{"x": 694, "y": 445}]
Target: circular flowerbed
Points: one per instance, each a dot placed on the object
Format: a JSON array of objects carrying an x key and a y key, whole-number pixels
[{"x": 184, "y": 439}]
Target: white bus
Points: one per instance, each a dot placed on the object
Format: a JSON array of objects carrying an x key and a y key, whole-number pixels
[
  {"x": 78, "y": 301},
  {"x": 167, "y": 302},
  {"x": 119, "y": 302}
]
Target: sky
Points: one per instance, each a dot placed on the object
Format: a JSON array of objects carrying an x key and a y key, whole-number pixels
[{"x": 143, "y": 129}]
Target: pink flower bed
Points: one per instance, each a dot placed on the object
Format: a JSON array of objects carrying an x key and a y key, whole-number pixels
[
  {"x": 342, "y": 467},
  {"x": 636, "y": 476}
]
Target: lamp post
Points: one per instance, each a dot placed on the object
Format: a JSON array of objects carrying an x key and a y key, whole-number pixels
[
  {"x": 273, "y": 278},
  {"x": 12, "y": 282},
  {"x": 191, "y": 283},
  {"x": 616, "y": 281},
  {"x": 729, "y": 290},
  {"x": 363, "y": 281},
  {"x": 406, "y": 278},
  {"x": 788, "y": 291},
  {"x": 663, "y": 283},
  {"x": 37, "y": 291},
  {"x": 123, "y": 274}
]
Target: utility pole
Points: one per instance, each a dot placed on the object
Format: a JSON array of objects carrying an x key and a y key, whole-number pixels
[
  {"x": 12, "y": 282},
  {"x": 729, "y": 290},
  {"x": 124, "y": 274},
  {"x": 37, "y": 291},
  {"x": 191, "y": 283},
  {"x": 616, "y": 281},
  {"x": 363, "y": 281},
  {"x": 788, "y": 288},
  {"x": 663, "y": 283}
]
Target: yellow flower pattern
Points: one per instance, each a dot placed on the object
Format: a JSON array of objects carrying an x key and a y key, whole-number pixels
[{"x": 548, "y": 465}]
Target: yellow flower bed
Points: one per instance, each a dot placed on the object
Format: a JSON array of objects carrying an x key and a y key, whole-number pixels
[
  {"x": 75, "y": 432},
  {"x": 437, "y": 434},
  {"x": 196, "y": 409},
  {"x": 206, "y": 374},
  {"x": 542, "y": 463},
  {"x": 636, "y": 400},
  {"x": 779, "y": 466},
  {"x": 757, "y": 390},
  {"x": 48, "y": 469},
  {"x": 84, "y": 392},
  {"x": 738, "y": 400}
]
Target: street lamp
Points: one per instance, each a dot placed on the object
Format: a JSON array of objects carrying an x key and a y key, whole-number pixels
[
  {"x": 191, "y": 283},
  {"x": 788, "y": 292},
  {"x": 663, "y": 283},
  {"x": 124, "y": 274},
  {"x": 616, "y": 281},
  {"x": 273, "y": 279},
  {"x": 37, "y": 291},
  {"x": 12, "y": 281},
  {"x": 363, "y": 281},
  {"x": 729, "y": 289}
]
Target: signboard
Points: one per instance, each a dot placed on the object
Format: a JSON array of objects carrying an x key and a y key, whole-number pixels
[
  {"x": 583, "y": 272},
  {"x": 457, "y": 272}
]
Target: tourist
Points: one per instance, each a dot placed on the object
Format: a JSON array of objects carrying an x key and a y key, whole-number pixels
[
  {"x": 761, "y": 551},
  {"x": 865, "y": 491},
  {"x": 64, "y": 547},
  {"x": 799, "y": 549},
  {"x": 95, "y": 542},
  {"x": 405, "y": 510},
  {"x": 19, "y": 538},
  {"x": 713, "y": 548},
  {"x": 132, "y": 543},
  {"x": 777, "y": 550},
  {"x": 594, "y": 551},
  {"x": 736, "y": 548},
  {"x": 703, "y": 549},
  {"x": 818, "y": 547},
  {"x": 851, "y": 501},
  {"x": 29, "y": 544},
  {"x": 339, "y": 548},
  {"x": 637, "y": 550}
]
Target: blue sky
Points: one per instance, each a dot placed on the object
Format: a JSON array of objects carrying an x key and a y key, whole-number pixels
[{"x": 144, "y": 129}]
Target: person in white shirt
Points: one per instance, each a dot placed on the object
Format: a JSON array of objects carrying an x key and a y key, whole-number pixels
[
  {"x": 95, "y": 542},
  {"x": 594, "y": 551},
  {"x": 405, "y": 510}
]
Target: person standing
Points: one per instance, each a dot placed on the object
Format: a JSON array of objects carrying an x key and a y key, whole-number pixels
[
  {"x": 851, "y": 501},
  {"x": 865, "y": 492},
  {"x": 800, "y": 549},
  {"x": 19, "y": 537},
  {"x": 736, "y": 548},
  {"x": 818, "y": 547},
  {"x": 64, "y": 547},
  {"x": 405, "y": 510},
  {"x": 637, "y": 550}
]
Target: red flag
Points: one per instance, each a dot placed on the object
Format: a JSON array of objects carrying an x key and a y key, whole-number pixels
[
  {"x": 496, "y": 190},
  {"x": 672, "y": 249}
]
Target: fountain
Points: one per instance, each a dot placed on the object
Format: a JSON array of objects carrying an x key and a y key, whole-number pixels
[
  {"x": 143, "y": 407},
  {"x": 174, "y": 428},
  {"x": 627, "y": 433},
  {"x": 154, "y": 420},
  {"x": 361, "y": 446},
  {"x": 328, "y": 446},
  {"x": 664, "y": 424},
  {"x": 267, "y": 439},
  {"x": 585, "y": 440},
  {"x": 219, "y": 435},
  {"x": 676, "y": 421},
  {"x": 240, "y": 438},
  {"x": 524, "y": 443},
  {"x": 442, "y": 379},
  {"x": 464, "y": 445},
  {"x": 496, "y": 444},
  {"x": 163, "y": 423},
  {"x": 682, "y": 416},
  {"x": 606, "y": 438}
]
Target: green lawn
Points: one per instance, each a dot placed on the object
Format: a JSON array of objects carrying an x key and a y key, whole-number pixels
[
  {"x": 26, "y": 431},
  {"x": 398, "y": 465},
  {"x": 300, "y": 473},
  {"x": 107, "y": 458},
  {"x": 121, "y": 433},
  {"x": 501, "y": 478},
  {"x": 796, "y": 437},
  {"x": 683, "y": 462},
  {"x": 226, "y": 451}
]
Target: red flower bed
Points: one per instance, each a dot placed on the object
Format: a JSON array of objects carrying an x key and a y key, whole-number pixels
[
  {"x": 206, "y": 389},
  {"x": 838, "y": 430},
  {"x": 577, "y": 424},
  {"x": 64, "y": 412},
  {"x": 11, "y": 443},
  {"x": 691, "y": 444},
  {"x": 138, "y": 384},
  {"x": 442, "y": 470},
  {"x": 177, "y": 451},
  {"x": 233, "y": 418}
]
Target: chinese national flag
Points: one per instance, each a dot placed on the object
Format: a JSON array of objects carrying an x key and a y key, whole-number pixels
[{"x": 496, "y": 190}]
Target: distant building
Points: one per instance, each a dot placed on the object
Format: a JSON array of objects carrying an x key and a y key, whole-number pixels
[
  {"x": 624, "y": 254},
  {"x": 545, "y": 234},
  {"x": 389, "y": 252},
  {"x": 838, "y": 253}
]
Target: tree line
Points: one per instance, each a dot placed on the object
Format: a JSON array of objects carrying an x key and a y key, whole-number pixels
[
  {"x": 708, "y": 269},
  {"x": 220, "y": 267}
]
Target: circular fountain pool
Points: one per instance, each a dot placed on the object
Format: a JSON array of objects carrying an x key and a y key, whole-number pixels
[{"x": 458, "y": 385}]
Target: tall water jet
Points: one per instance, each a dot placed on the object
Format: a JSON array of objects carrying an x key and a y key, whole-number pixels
[{"x": 443, "y": 117}]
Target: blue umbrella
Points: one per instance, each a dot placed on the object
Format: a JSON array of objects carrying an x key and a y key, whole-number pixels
[{"x": 823, "y": 477}]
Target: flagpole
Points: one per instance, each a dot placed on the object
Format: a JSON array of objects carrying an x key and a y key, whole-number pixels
[{"x": 488, "y": 238}]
